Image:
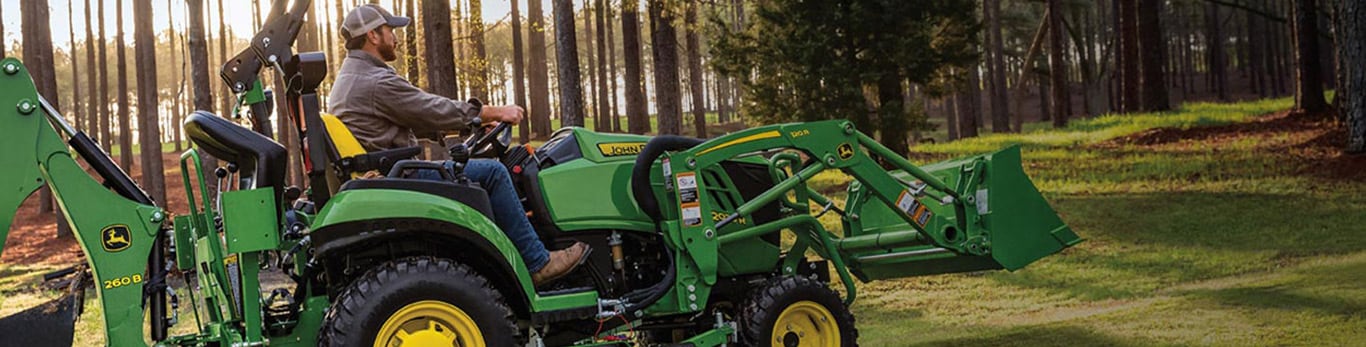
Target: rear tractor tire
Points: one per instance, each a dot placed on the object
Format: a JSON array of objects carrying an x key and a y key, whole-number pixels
[
  {"x": 420, "y": 301},
  {"x": 794, "y": 311}
]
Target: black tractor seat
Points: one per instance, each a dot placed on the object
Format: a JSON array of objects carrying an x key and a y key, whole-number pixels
[
  {"x": 468, "y": 194},
  {"x": 255, "y": 154}
]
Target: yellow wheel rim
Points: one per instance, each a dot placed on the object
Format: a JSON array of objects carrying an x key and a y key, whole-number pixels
[
  {"x": 429, "y": 323},
  {"x": 806, "y": 324}
]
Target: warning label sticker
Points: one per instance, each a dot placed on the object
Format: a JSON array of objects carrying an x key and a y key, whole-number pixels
[
  {"x": 922, "y": 216},
  {"x": 692, "y": 214},
  {"x": 912, "y": 207},
  {"x": 907, "y": 202},
  {"x": 668, "y": 171},
  {"x": 687, "y": 187}
]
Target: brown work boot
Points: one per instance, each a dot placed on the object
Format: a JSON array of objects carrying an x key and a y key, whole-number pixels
[{"x": 561, "y": 263}]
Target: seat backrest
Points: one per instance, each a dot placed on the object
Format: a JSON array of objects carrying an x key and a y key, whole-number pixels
[
  {"x": 342, "y": 139},
  {"x": 259, "y": 157}
]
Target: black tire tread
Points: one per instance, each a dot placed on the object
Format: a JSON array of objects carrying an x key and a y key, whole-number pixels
[
  {"x": 769, "y": 300},
  {"x": 344, "y": 311}
]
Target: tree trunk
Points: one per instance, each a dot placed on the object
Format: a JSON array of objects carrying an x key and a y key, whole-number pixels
[
  {"x": 1154, "y": 47},
  {"x": 410, "y": 37},
  {"x": 519, "y": 71},
  {"x": 1256, "y": 35},
  {"x": 149, "y": 123},
  {"x": 612, "y": 71},
  {"x": 637, "y": 120},
  {"x": 1216, "y": 60},
  {"x": 694, "y": 47},
  {"x": 970, "y": 104},
  {"x": 91, "y": 114},
  {"x": 176, "y": 62},
  {"x": 199, "y": 73},
  {"x": 2, "y": 28},
  {"x": 604, "y": 105},
  {"x": 479, "y": 79},
  {"x": 105, "y": 133},
  {"x": 440, "y": 55},
  {"x": 224, "y": 97},
  {"x": 1351, "y": 47},
  {"x": 591, "y": 106},
  {"x": 567, "y": 65},
  {"x": 1308, "y": 72},
  {"x": 539, "y": 90},
  {"x": 996, "y": 67},
  {"x": 121, "y": 76},
  {"x": 1131, "y": 57},
  {"x": 75, "y": 109},
  {"x": 41, "y": 63},
  {"x": 1057, "y": 67},
  {"x": 665, "y": 49},
  {"x": 892, "y": 113}
]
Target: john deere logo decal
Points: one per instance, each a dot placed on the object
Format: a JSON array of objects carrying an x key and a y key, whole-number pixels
[
  {"x": 845, "y": 151},
  {"x": 116, "y": 238},
  {"x": 620, "y": 148}
]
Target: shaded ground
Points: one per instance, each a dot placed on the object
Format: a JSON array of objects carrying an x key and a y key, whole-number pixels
[{"x": 1313, "y": 141}]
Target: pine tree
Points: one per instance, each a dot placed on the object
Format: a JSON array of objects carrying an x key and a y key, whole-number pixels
[
  {"x": 149, "y": 124},
  {"x": 479, "y": 81},
  {"x": 75, "y": 69},
  {"x": 699, "y": 108},
  {"x": 1308, "y": 68},
  {"x": 106, "y": 134},
  {"x": 567, "y": 65},
  {"x": 519, "y": 71},
  {"x": 92, "y": 115},
  {"x": 996, "y": 67},
  {"x": 199, "y": 72},
  {"x": 1154, "y": 56},
  {"x": 538, "y": 74},
  {"x": 637, "y": 120},
  {"x": 664, "y": 39},
  {"x": 121, "y": 76},
  {"x": 440, "y": 53},
  {"x": 39, "y": 58}
]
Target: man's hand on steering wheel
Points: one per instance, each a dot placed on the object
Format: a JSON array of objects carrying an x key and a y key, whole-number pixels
[
  {"x": 495, "y": 134},
  {"x": 506, "y": 114}
]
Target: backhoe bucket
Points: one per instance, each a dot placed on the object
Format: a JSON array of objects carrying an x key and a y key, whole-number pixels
[{"x": 1017, "y": 225}]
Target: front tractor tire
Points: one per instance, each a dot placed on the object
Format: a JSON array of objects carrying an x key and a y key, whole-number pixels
[
  {"x": 794, "y": 311},
  {"x": 420, "y": 301}
]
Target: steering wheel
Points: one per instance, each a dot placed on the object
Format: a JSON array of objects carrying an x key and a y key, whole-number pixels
[{"x": 489, "y": 143}]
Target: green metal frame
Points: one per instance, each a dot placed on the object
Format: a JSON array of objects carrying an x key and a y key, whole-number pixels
[{"x": 973, "y": 213}]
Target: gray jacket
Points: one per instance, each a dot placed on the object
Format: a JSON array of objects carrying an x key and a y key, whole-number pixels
[{"x": 382, "y": 109}]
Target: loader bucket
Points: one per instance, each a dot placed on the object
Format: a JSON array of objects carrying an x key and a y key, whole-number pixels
[{"x": 1019, "y": 225}]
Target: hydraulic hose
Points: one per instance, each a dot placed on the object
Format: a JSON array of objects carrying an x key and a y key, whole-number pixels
[
  {"x": 640, "y": 175},
  {"x": 645, "y": 198}
]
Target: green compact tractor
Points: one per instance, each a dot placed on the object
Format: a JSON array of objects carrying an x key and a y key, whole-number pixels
[{"x": 699, "y": 243}]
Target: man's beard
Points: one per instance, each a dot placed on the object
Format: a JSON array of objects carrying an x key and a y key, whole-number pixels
[{"x": 388, "y": 53}]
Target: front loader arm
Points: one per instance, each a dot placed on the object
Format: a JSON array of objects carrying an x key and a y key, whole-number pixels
[
  {"x": 836, "y": 145},
  {"x": 909, "y": 221}
]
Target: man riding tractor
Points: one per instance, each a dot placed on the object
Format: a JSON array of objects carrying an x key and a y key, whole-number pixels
[{"x": 383, "y": 110}]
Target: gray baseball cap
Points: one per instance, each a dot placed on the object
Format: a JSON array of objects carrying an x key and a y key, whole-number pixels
[{"x": 368, "y": 17}]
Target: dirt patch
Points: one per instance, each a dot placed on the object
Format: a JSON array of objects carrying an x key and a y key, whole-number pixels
[
  {"x": 1312, "y": 142},
  {"x": 33, "y": 235}
]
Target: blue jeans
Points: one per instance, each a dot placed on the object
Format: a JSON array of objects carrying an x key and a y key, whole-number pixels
[{"x": 507, "y": 207}]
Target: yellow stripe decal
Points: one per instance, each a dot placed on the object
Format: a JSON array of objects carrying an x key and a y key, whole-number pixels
[{"x": 755, "y": 137}]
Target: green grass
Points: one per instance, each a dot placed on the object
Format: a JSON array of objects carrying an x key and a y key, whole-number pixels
[{"x": 1190, "y": 243}]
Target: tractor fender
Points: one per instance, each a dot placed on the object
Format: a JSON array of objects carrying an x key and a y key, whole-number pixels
[{"x": 377, "y": 217}]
